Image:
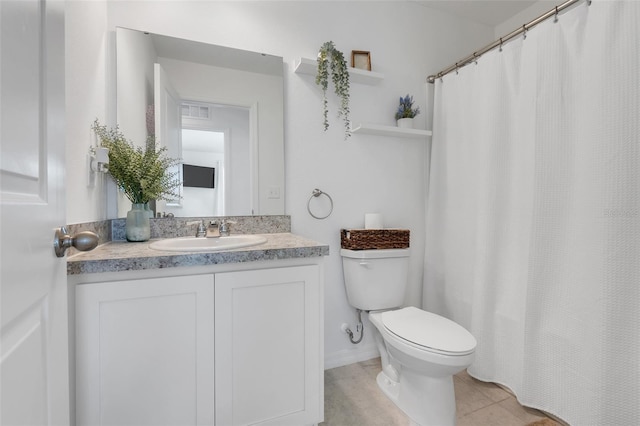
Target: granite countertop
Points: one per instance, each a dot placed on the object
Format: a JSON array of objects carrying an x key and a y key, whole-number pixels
[{"x": 119, "y": 256}]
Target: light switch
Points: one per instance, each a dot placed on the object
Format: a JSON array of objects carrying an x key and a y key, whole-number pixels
[{"x": 274, "y": 192}]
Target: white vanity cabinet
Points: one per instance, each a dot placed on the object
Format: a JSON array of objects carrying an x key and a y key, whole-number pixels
[
  {"x": 144, "y": 352},
  {"x": 221, "y": 346},
  {"x": 268, "y": 347}
]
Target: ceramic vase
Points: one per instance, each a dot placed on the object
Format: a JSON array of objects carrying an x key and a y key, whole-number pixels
[
  {"x": 137, "y": 227},
  {"x": 405, "y": 123}
]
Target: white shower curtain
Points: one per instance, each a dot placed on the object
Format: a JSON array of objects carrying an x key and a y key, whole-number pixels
[{"x": 533, "y": 217}]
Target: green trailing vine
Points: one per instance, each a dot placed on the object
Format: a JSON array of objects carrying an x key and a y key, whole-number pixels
[
  {"x": 331, "y": 61},
  {"x": 141, "y": 173}
]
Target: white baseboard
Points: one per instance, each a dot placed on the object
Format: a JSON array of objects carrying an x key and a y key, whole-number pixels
[{"x": 350, "y": 356}]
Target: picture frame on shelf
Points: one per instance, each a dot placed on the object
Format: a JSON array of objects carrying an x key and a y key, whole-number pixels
[{"x": 361, "y": 59}]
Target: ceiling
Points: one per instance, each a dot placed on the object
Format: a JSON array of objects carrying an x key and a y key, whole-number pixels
[{"x": 488, "y": 12}]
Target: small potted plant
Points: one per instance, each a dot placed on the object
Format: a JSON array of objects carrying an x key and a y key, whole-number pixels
[
  {"x": 406, "y": 112},
  {"x": 332, "y": 60},
  {"x": 141, "y": 173}
]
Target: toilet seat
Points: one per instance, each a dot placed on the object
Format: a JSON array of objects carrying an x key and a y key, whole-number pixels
[{"x": 429, "y": 331}]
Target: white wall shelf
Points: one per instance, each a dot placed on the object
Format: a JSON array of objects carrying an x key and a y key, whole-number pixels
[
  {"x": 310, "y": 66},
  {"x": 380, "y": 130}
]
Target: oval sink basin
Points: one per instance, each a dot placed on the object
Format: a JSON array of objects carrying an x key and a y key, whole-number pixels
[{"x": 207, "y": 244}]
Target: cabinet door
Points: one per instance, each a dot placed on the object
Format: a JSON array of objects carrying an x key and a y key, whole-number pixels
[
  {"x": 268, "y": 337},
  {"x": 144, "y": 352}
]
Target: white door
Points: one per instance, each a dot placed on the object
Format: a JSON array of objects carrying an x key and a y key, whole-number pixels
[
  {"x": 34, "y": 383},
  {"x": 168, "y": 121}
]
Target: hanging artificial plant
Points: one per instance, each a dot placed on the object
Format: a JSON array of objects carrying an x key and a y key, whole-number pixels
[{"x": 331, "y": 59}]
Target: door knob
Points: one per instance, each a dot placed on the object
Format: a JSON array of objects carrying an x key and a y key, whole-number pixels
[{"x": 83, "y": 241}]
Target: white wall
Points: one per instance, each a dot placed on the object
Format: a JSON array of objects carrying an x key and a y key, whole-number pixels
[
  {"x": 87, "y": 89},
  {"x": 364, "y": 174}
]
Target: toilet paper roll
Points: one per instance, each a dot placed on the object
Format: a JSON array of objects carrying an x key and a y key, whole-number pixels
[{"x": 373, "y": 221}]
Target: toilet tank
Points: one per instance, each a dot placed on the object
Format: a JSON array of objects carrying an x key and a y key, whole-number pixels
[{"x": 375, "y": 279}]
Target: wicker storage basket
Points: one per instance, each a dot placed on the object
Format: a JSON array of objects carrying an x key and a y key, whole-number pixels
[{"x": 368, "y": 239}]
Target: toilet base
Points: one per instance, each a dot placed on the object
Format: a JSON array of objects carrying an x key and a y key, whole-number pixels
[
  {"x": 389, "y": 387},
  {"x": 427, "y": 401}
]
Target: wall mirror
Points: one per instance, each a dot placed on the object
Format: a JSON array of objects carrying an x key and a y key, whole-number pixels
[{"x": 220, "y": 110}]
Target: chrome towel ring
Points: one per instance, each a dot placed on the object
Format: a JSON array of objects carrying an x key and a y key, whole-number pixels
[{"x": 315, "y": 194}]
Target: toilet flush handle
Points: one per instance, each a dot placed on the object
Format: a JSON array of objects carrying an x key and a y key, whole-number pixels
[{"x": 365, "y": 264}]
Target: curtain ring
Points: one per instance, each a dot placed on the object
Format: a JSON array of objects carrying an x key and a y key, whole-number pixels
[
  {"x": 456, "y": 68},
  {"x": 524, "y": 32},
  {"x": 500, "y": 44},
  {"x": 555, "y": 18},
  {"x": 316, "y": 193},
  {"x": 475, "y": 58}
]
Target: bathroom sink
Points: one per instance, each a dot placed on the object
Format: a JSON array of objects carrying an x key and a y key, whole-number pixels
[{"x": 207, "y": 244}]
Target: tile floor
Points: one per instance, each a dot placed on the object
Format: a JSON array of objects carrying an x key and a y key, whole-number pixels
[{"x": 352, "y": 398}]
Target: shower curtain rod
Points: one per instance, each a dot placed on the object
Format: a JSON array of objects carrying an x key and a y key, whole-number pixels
[{"x": 498, "y": 43}]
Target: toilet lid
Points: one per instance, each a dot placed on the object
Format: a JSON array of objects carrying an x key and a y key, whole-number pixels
[{"x": 429, "y": 330}]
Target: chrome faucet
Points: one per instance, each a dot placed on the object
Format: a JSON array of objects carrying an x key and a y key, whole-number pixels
[
  {"x": 225, "y": 230},
  {"x": 201, "y": 231},
  {"x": 213, "y": 231}
]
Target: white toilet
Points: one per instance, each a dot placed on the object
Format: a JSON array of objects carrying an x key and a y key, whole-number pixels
[{"x": 420, "y": 351}]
